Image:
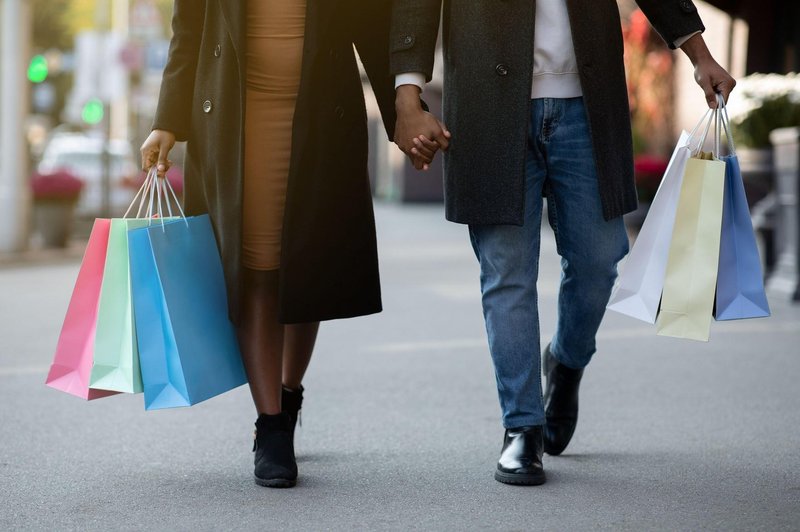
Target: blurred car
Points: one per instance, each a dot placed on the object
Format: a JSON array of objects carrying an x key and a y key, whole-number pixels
[{"x": 82, "y": 156}]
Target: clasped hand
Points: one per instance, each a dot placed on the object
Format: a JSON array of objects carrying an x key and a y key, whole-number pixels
[{"x": 418, "y": 133}]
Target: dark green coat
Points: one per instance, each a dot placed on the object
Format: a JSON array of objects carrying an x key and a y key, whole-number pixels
[
  {"x": 329, "y": 264},
  {"x": 488, "y": 66}
]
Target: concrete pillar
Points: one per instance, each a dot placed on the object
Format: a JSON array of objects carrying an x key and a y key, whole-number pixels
[
  {"x": 15, "y": 194},
  {"x": 119, "y": 111},
  {"x": 785, "y": 281}
]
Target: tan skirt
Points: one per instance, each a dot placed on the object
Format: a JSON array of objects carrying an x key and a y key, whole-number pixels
[{"x": 275, "y": 36}]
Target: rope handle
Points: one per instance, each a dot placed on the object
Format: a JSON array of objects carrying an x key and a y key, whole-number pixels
[{"x": 155, "y": 194}]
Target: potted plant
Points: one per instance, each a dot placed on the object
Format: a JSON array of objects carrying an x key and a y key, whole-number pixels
[
  {"x": 54, "y": 199},
  {"x": 760, "y": 104},
  {"x": 648, "y": 170}
]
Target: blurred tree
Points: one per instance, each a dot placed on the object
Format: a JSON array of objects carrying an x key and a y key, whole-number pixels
[
  {"x": 81, "y": 15},
  {"x": 649, "y": 72},
  {"x": 165, "y": 6},
  {"x": 56, "y": 22},
  {"x": 50, "y": 26}
]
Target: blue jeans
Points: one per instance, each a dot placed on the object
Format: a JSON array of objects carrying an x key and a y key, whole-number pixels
[{"x": 560, "y": 156}]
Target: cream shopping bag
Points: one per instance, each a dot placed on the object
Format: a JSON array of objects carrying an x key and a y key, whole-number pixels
[{"x": 691, "y": 278}]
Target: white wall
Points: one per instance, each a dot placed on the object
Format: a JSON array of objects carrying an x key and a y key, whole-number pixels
[{"x": 690, "y": 101}]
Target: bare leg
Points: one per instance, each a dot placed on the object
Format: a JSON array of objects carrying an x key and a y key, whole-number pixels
[
  {"x": 298, "y": 346},
  {"x": 261, "y": 339}
]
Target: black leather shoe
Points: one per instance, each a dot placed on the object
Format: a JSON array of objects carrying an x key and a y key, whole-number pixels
[
  {"x": 275, "y": 464},
  {"x": 521, "y": 459},
  {"x": 292, "y": 403},
  {"x": 560, "y": 403}
]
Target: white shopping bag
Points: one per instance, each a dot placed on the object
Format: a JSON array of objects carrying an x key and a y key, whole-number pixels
[{"x": 639, "y": 286}]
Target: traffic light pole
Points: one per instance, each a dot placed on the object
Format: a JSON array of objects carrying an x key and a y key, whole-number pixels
[{"x": 15, "y": 38}]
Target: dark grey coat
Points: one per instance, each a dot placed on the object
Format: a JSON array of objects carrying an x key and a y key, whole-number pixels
[
  {"x": 329, "y": 263},
  {"x": 488, "y": 65}
]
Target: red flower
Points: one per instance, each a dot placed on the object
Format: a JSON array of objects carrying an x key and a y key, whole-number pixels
[
  {"x": 648, "y": 171},
  {"x": 61, "y": 185},
  {"x": 650, "y": 164},
  {"x": 640, "y": 28}
]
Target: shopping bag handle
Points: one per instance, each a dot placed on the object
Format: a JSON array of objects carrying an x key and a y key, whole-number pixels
[
  {"x": 141, "y": 194},
  {"x": 725, "y": 120},
  {"x": 709, "y": 117},
  {"x": 155, "y": 193},
  {"x": 162, "y": 194}
]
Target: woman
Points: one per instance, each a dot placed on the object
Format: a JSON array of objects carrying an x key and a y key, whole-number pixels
[{"x": 269, "y": 97}]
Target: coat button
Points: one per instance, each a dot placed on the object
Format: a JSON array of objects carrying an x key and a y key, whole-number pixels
[
  {"x": 687, "y": 6},
  {"x": 217, "y": 50},
  {"x": 408, "y": 40},
  {"x": 339, "y": 111},
  {"x": 207, "y": 106},
  {"x": 501, "y": 69}
]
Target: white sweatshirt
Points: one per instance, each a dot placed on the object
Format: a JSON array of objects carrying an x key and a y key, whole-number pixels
[{"x": 555, "y": 69}]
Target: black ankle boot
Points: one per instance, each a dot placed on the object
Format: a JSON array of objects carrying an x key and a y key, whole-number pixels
[
  {"x": 275, "y": 463},
  {"x": 521, "y": 459},
  {"x": 292, "y": 403},
  {"x": 560, "y": 403}
]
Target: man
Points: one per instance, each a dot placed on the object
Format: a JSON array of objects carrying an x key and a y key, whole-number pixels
[{"x": 536, "y": 101}]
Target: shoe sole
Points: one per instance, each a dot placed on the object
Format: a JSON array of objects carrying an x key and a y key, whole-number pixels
[
  {"x": 520, "y": 480},
  {"x": 554, "y": 451},
  {"x": 275, "y": 482}
]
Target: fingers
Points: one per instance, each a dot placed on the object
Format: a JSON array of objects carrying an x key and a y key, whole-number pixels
[
  {"x": 149, "y": 155},
  {"x": 418, "y": 162},
  {"x": 163, "y": 163},
  {"x": 714, "y": 79},
  {"x": 445, "y": 130},
  {"x": 442, "y": 139},
  {"x": 425, "y": 148},
  {"x": 725, "y": 87},
  {"x": 420, "y": 135},
  {"x": 711, "y": 95},
  {"x": 155, "y": 151}
]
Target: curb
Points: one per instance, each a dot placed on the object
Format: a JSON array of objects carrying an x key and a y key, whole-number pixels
[{"x": 43, "y": 256}]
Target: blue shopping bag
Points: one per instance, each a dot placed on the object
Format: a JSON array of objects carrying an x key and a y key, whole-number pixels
[
  {"x": 740, "y": 281},
  {"x": 188, "y": 349}
]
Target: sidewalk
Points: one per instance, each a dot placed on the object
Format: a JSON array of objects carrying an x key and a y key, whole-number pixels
[
  {"x": 43, "y": 257},
  {"x": 401, "y": 426}
]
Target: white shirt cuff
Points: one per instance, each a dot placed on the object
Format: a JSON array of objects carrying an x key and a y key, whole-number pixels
[
  {"x": 410, "y": 78},
  {"x": 680, "y": 41}
]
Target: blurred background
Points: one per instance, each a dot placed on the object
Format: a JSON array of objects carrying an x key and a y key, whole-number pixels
[{"x": 80, "y": 81}]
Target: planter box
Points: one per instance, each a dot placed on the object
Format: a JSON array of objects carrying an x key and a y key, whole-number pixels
[{"x": 53, "y": 221}]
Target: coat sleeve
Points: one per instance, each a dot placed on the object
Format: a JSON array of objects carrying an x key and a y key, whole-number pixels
[
  {"x": 672, "y": 19},
  {"x": 372, "y": 20},
  {"x": 415, "y": 28},
  {"x": 174, "y": 109}
]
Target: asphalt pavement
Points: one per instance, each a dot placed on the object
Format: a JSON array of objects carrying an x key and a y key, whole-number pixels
[{"x": 401, "y": 425}]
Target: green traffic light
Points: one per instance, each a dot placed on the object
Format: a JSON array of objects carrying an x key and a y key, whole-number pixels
[
  {"x": 37, "y": 70},
  {"x": 92, "y": 112}
]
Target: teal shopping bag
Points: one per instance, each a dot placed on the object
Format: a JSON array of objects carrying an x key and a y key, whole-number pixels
[
  {"x": 116, "y": 357},
  {"x": 115, "y": 365},
  {"x": 188, "y": 348}
]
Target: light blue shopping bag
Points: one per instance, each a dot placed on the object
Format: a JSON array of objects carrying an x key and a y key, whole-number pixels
[
  {"x": 740, "y": 281},
  {"x": 188, "y": 349}
]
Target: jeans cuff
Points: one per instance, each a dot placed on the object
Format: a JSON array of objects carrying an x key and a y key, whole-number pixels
[
  {"x": 517, "y": 421},
  {"x": 568, "y": 362}
]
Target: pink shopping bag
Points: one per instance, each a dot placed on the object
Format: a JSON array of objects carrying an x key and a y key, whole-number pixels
[{"x": 72, "y": 363}]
